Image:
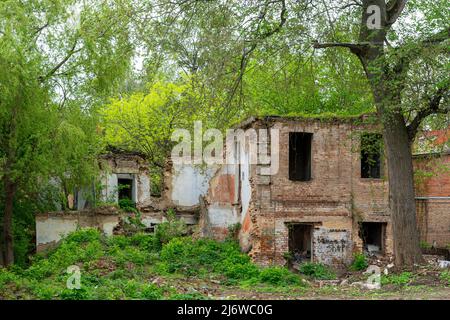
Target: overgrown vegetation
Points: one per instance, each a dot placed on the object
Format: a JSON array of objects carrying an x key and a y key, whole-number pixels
[
  {"x": 359, "y": 262},
  {"x": 317, "y": 271},
  {"x": 123, "y": 267},
  {"x": 397, "y": 279}
]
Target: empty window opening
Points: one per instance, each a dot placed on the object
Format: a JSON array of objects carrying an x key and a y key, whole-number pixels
[
  {"x": 372, "y": 235},
  {"x": 300, "y": 156},
  {"x": 300, "y": 242},
  {"x": 371, "y": 151},
  {"x": 125, "y": 188}
]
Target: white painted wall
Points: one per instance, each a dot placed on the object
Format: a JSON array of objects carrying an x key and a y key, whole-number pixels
[
  {"x": 188, "y": 183},
  {"x": 53, "y": 229},
  {"x": 221, "y": 216}
]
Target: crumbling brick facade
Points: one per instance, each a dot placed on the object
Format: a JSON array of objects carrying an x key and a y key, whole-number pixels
[{"x": 333, "y": 202}]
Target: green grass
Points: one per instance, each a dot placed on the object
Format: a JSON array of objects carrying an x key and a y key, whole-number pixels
[
  {"x": 401, "y": 279},
  {"x": 445, "y": 277}
]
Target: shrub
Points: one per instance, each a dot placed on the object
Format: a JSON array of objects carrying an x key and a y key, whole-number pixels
[
  {"x": 279, "y": 276},
  {"x": 359, "y": 262},
  {"x": 239, "y": 271},
  {"x": 84, "y": 235},
  {"x": 127, "y": 205},
  {"x": 6, "y": 277},
  {"x": 151, "y": 292},
  {"x": 194, "y": 257},
  {"x": 172, "y": 228},
  {"x": 144, "y": 241},
  {"x": 317, "y": 271}
]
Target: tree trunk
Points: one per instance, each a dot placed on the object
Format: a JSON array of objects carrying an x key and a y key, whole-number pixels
[
  {"x": 401, "y": 191},
  {"x": 8, "y": 238}
]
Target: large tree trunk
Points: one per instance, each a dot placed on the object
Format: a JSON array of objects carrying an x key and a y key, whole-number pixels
[
  {"x": 8, "y": 238},
  {"x": 387, "y": 96},
  {"x": 401, "y": 191}
]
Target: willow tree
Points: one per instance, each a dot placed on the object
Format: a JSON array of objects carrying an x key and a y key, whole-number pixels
[{"x": 55, "y": 57}]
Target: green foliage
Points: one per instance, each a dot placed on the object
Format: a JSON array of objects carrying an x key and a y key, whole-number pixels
[
  {"x": 445, "y": 276},
  {"x": 425, "y": 245},
  {"x": 397, "y": 279},
  {"x": 233, "y": 231},
  {"x": 127, "y": 205},
  {"x": 317, "y": 271},
  {"x": 170, "y": 229},
  {"x": 74, "y": 294},
  {"x": 359, "y": 262},
  {"x": 279, "y": 276},
  {"x": 123, "y": 267}
]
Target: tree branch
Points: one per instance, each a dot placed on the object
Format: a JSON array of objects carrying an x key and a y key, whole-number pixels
[
  {"x": 69, "y": 54},
  {"x": 394, "y": 9},
  {"x": 432, "y": 108},
  {"x": 356, "y": 48}
]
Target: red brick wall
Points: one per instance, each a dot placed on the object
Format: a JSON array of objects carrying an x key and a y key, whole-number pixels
[
  {"x": 432, "y": 176},
  {"x": 433, "y": 203},
  {"x": 334, "y": 200}
]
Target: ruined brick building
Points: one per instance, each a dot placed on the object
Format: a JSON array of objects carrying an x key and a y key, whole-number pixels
[{"x": 327, "y": 199}]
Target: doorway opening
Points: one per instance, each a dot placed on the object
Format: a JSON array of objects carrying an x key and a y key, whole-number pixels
[
  {"x": 372, "y": 235},
  {"x": 300, "y": 242}
]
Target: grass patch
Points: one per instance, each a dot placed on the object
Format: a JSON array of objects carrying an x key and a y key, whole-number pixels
[{"x": 401, "y": 279}]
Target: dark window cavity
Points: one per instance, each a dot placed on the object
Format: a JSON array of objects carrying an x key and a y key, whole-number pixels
[
  {"x": 125, "y": 189},
  {"x": 300, "y": 156},
  {"x": 371, "y": 151}
]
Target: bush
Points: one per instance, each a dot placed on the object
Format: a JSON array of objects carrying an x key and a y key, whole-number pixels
[
  {"x": 279, "y": 276},
  {"x": 195, "y": 257},
  {"x": 317, "y": 271},
  {"x": 171, "y": 229},
  {"x": 127, "y": 205},
  {"x": 151, "y": 292},
  {"x": 144, "y": 241},
  {"x": 84, "y": 235},
  {"x": 359, "y": 262}
]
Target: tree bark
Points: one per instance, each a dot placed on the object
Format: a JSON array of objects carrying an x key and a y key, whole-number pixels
[
  {"x": 387, "y": 96},
  {"x": 8, "y": 238},
  {"x": 401, "y": 191}
]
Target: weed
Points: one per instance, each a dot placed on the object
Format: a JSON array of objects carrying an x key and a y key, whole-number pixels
[
  {"x": 317, "y": 271},
  {"x": 397, "y": 279},
  {"x": 359, "y": 262}
]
